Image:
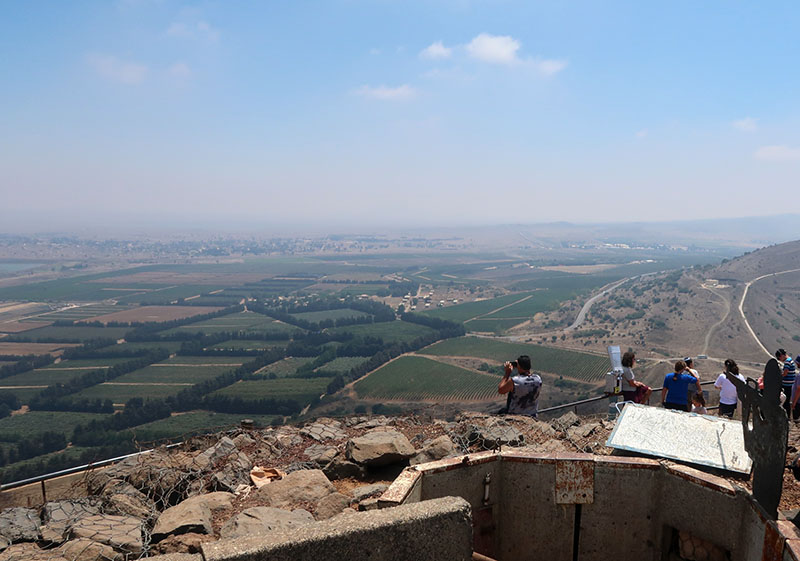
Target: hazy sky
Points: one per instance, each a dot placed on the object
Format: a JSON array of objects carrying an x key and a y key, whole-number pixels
[{"x": 356, "y": 112}]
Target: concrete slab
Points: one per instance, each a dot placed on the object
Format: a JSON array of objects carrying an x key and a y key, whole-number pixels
[{"x": 686, "y": 437}]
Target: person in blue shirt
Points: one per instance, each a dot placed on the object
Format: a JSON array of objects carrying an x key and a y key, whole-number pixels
[
  {"x": 787, "y": 383},
  {"x": 675, "y": 394}
]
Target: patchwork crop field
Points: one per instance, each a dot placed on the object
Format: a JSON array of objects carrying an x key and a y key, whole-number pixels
[
  {"x": 414, "y": 378},
  {"x": 303, "y": 390},
  {"x": 570, "y": 364},
  {"x": 390, "y": 331},
  {"x": 330, "y": 314}
]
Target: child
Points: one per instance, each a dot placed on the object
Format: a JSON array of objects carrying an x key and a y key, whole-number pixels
[{"x": 699, "y": 404}]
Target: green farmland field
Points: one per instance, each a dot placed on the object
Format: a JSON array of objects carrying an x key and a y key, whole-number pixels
[
  {"x": 572, "y": 364},
  {"x": 414, "y": 378},
  {"x": 249, "y": 345},
  {"x": 34, "y": 422},
  {"x": 24, "y": 395},
  {"x": 241, "y": 321},
  {"x": 463, "y": 312},
  {"x": 85, "y": 363},
  {"x": 79, "y": 313},
  {"x": 194, "y": 422},
  {"x": 122, "y": 393},
  {"x": 303, "y": 390},
  {"x": 231, "y": 361},
  {"x": 343, "y": 364},
  {"x": 74, "y": 333},
  {"x": 487, "y": 325},
  {"x": 169, "y": 374},
  {"x": 44, "y": 377},
  {"x": 539, "y": 301},
  {"x": 285, "y": 367},
  {"x": 172, "y": 346},
  {"x": 330, "y": 314},
  {"x": 389, "y": 331}
]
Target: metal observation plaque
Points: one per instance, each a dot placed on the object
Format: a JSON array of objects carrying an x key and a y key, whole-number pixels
[{"x": 688, "y": 437}]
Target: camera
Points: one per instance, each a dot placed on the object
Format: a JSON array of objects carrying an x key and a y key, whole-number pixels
[{"x": 514, "y": 364}]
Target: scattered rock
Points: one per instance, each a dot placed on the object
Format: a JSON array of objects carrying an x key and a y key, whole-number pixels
[
  {"x": 235, "y": 472},
  {"x": 436, "y": 449},
  {"x": 308, "y": 485},
  {"x": 368, "y": 504},
  {"x": 373, "y": 423},
  {"x": 183, "y": 543},
  {"x": 58, "y": 515},
  {"x": 340, "y": 468},
  {"x": 28, "y": 552},
  {"x": 20, "y": 524},
  {"x": 331, "y": 505},
  {"x": 214, "y": 501},
  {"x": 366, "y": 491},
  {"x": 225, "y": 447},
  {"x": 553, "y": 446},
  {"x": 123, "y": 533},
  {"x": 87, "y": 550},
  {"x": 495, "y": 434},
  {"x": 581, "y": 431},
  {"x": 243, "y": 441},
  {"x": 191, "y": 515},
  {"x": 566, "y": 420},
  {"x": 262, "y": 519},
  {"x": 131, "y": 505},
  {"x": 379, "y": 448},
  {"x": 321, "y": 431},
  {"x": 321, "y": 454}
]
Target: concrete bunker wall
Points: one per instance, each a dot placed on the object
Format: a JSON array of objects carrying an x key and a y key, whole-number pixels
[{"x": 598, "y": 507}]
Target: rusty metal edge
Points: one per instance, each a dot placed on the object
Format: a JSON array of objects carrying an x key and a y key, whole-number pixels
[
  {"x": 699, "y": 477},
  {"x": 400, "y": 488},
  {"x": 627, "y": 462},
  {"x": 448, "y": 464}
]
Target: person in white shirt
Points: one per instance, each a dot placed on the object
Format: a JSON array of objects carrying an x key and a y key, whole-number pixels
[{"x": 727, "y": 391}]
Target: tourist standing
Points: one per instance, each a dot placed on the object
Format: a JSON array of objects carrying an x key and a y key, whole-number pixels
[
  {"x": 787, "y": 383},
  {"x": 523, "y": 389},
  {"x": 632, "y": 389},
  {"x": 675, "y": 394},
  {"x": 690, "y": 367},
  {"x": 728, "y": 398}
]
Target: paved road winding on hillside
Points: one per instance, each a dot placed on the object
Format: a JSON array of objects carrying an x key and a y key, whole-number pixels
[{"x": 741, "y": 305}]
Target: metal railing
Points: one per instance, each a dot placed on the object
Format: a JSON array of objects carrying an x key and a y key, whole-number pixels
[{"x": 575, "y": 404}]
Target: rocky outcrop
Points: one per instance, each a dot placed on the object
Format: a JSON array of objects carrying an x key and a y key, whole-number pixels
[
  {"x": 262, "y": 519},
  {"x": 309, "y": 485},
  {"x": 123, "y": 533},
  {"x": 189, "y": 516},
  {"x": 379, "y": 448},
  {"x": 436, "y": 449},
  {"x": 88, "y": 550},
  {"x": 330, "y": 506},
  {"x": 20, "y": 524}
]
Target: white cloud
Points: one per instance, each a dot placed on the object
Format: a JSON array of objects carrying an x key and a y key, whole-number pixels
[
  {"x": 386, "y": 93},
  {"x": 436, "y": 51},
  {"x": 641, "y": 134},
  {"x": 748, "y": 124},
  {"x": 548, "y": 67},
  {"x": 180, "y": 70},
  {"x": 197, "y": 30},
  {"x": 117, "y": 70},
  {"x": 778, "y": 154},
  {"x": 374, "y": 51},
  {"x": 503, "y": 49},
  {"x": 496, "y": 49}
]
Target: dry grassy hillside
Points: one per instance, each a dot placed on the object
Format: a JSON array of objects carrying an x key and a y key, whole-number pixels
[{"x": 695, "y": 311}]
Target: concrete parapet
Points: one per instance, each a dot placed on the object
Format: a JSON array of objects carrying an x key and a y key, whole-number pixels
[
  {"x": 433, "y": 530},
  {"x": 547, "y": 505}
]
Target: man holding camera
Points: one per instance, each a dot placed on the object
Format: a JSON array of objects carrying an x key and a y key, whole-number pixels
[{"x": 522, "y": 389}]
